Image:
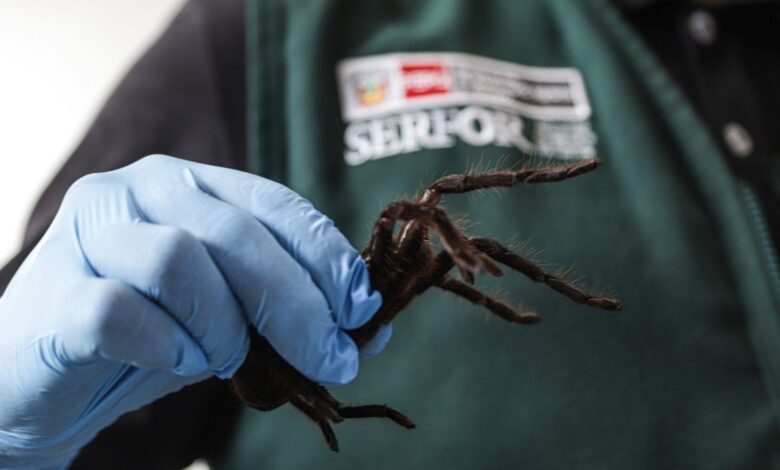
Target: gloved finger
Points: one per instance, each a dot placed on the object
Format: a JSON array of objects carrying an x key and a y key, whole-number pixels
[
  {"x": 309, "y": 236},
  {"x": 376, "y": 344},
  {"x": 171, "y": 267},
  {"x": 108, "y": 319},
  {"x": 278, "y": 294}
]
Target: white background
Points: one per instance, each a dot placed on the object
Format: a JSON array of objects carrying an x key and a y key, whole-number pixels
[{"x": 59, "y": 60}]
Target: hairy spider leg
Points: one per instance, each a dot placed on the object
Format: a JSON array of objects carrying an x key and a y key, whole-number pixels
[
  {"x": 425, "y": 212},
  {"x": 377, "y": 411},
  {"x": 458, "y": 184},
  {"x": 480, "y": 298},
  {"x": 414, "y": 233},
  {"x": 348, "y": 412},
  {"x": 440, "y": 279},
  {"x": 319, "y": 397},
  {"x": 467, "y": 259},
  {"x": 389, "y": 259},
  {"x": 531, "y": 270},
  {"x": 319, "y": 405},
  {"x": 315, "y": 416},
  {"x": 412, "y": 258},
  {"x": 375, "y": 254}
]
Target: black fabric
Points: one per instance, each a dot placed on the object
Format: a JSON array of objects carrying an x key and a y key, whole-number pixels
[
  {"x": 186, "y": 97},
  {"x": 733, "y": 79}
]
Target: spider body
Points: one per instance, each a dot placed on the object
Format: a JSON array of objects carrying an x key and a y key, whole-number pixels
[{"x": 403, "y": 266}]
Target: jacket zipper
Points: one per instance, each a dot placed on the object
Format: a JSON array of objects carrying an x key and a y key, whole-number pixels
[{"x": 766, "y": 245}]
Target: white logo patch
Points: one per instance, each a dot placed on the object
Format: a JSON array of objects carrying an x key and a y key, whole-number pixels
[{"x": 400, "y": 103}]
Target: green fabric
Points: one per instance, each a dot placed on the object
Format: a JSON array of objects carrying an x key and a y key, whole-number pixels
[{"x": 686, "y": 377}]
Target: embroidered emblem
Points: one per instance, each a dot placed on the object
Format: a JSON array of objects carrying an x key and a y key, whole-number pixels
[{"x": 399, "y": 103}]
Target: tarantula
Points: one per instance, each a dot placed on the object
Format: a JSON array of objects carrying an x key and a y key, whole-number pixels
[{"x": 403, "y": 266}]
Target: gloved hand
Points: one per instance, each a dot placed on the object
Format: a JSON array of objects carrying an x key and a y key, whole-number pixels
[{"x": 146, "y": 282}]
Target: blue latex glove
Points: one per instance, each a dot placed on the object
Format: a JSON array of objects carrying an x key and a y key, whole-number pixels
[{"x": 145, "y": 283}]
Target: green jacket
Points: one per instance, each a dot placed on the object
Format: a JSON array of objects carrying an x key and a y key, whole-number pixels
[{"x": 685, "y": 377}]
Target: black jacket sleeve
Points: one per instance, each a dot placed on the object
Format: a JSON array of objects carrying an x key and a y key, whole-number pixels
[{"x": 184, "y": 97}]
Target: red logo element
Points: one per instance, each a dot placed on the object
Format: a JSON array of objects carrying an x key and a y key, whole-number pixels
[{"x": 426, "y": 79}]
